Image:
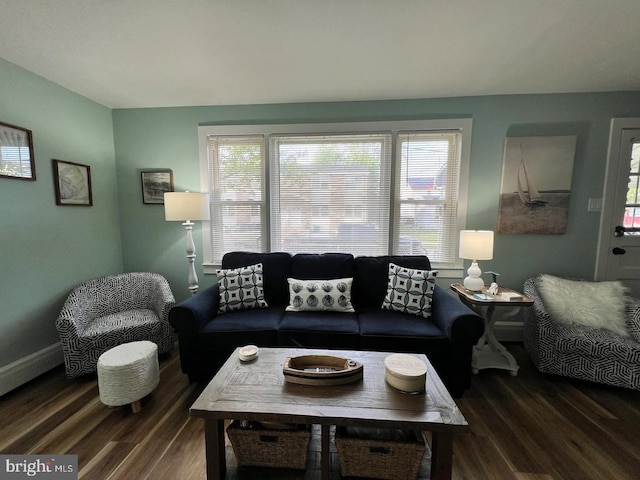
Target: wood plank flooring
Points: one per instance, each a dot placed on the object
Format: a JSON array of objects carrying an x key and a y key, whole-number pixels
[{"x": 529, "y": 427}]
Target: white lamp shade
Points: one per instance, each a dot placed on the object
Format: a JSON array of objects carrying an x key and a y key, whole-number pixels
[
  {"x": 476, "y": 244},
  {"x": 183, "y": 206}
]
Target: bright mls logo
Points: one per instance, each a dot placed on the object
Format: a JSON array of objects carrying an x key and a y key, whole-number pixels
[{"x": 45, "y": 467}]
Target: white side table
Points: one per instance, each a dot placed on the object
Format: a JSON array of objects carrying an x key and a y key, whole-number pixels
[{"x": 489, "y": 352}]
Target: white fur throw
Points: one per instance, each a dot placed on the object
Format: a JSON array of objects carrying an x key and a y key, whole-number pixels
[{"x": 593, "y": 304}]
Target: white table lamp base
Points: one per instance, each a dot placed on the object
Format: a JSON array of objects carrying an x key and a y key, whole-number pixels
[{"x": 474, "y": 281}]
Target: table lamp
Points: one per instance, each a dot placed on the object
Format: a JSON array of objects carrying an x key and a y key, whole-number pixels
[
  {"x": 475, "y": 245},
  {"x": 185, "y": 207}
]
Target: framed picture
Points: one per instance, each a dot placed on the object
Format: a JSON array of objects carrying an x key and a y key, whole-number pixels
[
  {"x": 154, "y": 184},
  {"x": 73, "y": 184},
  {"x": 536, "y": 185},
  {"x": 16, "y": 153}
]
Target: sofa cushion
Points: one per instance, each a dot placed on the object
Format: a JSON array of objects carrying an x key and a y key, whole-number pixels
[
  {"x": 276, "y": 268},
  {"x": 246, "y": 320},
  {"x": 317, "y": 295},
  {"x": 120, "y": 322},
  {"x": 240, "y": 288},
  {"x": 592, "y": 304},
  {"x": 241, "y": 327},
  {"x": 389, "y": 331},
  {"x": 397, "y": 324},
  {"x": 586, "y": 342},
  {"x": 410, "y": 290},
  {"x": 324, "y": 266},
  {"x": 339, "y": 322},
  {"x": 336, "y": 330},
  {"x": 372, "y": 274}
]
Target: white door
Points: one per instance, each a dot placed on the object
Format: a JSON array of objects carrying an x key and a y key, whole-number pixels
[{"x": 619, "y": 242}]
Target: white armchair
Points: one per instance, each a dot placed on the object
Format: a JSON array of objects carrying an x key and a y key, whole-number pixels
[{"x": 102, "y": 313}]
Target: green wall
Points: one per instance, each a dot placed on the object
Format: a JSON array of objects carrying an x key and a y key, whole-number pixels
[
  {"x": 46, "y": 249},
  {"x": 167, "y": 138}
]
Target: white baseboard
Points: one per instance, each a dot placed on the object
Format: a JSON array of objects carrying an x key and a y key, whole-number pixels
[{"x": 29, "y": 367}]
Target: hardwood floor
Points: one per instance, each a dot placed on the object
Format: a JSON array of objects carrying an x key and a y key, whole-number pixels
[{"x": 529, "y": 427}]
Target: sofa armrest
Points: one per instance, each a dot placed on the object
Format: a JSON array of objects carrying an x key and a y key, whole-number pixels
[
  {"x": 458, "y": 321},
  {"x": 539, "y": 329},
  {"x": 633, "y": 308},
  {"x": 189, "y": 318},
  {"x": 191, "y": 315},
  {"x": 76, "y": 313},
  {"x": 463, "y": 327},
  {"x": 67, "y": 326},
  {"x": 161, "y": 299}
]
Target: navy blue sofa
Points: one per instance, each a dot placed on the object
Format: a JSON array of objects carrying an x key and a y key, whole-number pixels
[{"x": 206, "y": 338}]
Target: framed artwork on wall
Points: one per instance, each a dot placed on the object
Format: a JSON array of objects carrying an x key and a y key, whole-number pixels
[
  {"x": 72, "y": 183},
  {"x": 16, "y": 153},
  {"x": 536, "y": 185},
  {"x": 154, "y": 185}
]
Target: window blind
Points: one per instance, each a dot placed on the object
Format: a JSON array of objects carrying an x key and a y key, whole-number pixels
[
  {"x": 330, "y": 193},
  {"x": 237, "y": 176},
  {"x": 427, "y": 194}
]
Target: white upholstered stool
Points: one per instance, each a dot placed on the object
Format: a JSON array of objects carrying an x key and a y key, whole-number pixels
[{"x": 127, "y": 373}]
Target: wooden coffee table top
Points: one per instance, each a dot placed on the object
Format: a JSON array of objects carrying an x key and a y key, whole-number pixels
[{"x": 257, "y": 391}]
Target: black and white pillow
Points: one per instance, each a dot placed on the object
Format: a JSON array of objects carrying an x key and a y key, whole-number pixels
[
  {"x": 241, "y": 288},
  {"x": 410, "y": 290},
  {"x": 318, "y": 295}
]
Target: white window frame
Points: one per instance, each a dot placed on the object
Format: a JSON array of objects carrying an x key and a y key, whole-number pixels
[{"x": 461, "y": 125}]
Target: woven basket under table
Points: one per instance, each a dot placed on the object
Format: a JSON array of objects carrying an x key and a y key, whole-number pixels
[
  {"x": 388, "y": 454},
  {"x": 255, "y": 445}
]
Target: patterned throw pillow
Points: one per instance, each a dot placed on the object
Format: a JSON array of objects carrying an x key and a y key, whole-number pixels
[
  {"x": 410, "y": 290},
  {"x": 318, "y": 295},
  {"x": 241, "y": 288}
]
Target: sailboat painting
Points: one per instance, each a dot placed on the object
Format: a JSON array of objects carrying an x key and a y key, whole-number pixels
[{"x": 536, "y": 185}]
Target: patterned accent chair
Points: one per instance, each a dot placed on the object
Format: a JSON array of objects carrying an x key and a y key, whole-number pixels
[
  {"x": 582, "y": 352},
  {"x": 102, "y": 313}
]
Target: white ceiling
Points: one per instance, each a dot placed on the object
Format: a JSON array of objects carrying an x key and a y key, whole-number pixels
[{"x": 151, "y": 53}]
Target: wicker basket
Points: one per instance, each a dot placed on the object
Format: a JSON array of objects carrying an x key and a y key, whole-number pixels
[
  {"x": 379, "y": 453},
  {"x": 255, "y": 445}
]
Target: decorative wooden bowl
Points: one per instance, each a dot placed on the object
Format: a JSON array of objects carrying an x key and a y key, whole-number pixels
[{"x": 321, "y": 370}]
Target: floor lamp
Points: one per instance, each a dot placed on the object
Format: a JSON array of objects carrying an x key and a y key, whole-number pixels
[{"x": 185, "y": 207}]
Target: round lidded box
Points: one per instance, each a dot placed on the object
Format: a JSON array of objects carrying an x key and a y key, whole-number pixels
[{"x": 405, "y": 372}]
